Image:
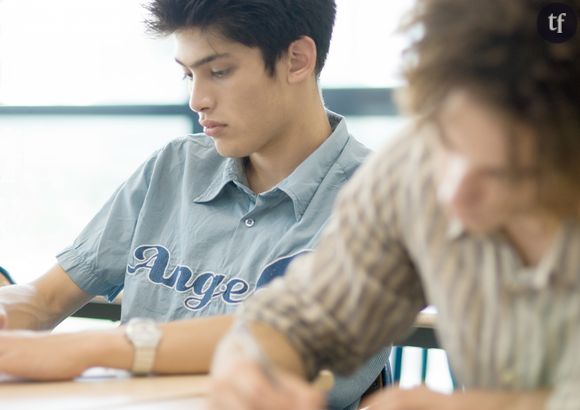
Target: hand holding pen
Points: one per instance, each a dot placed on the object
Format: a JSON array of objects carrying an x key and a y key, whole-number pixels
[{"x": 244, "y": 378}]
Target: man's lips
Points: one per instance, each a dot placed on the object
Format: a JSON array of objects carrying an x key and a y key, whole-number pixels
[
  {"x": 212, "y": 128},
  {"x": 211, "y": 124}
]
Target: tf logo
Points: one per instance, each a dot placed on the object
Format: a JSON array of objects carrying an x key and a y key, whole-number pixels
[{"x": 557, "y": 22}]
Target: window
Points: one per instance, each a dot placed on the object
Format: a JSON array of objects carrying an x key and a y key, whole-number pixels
[
  {"x": 83, "y": 52},
  {"x": 365, "y": 53},
  {"x": 365, "y": 50},
  {"x": 56, "y": 173}
]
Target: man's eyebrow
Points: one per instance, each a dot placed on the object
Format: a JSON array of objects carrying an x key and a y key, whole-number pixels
[{"x": 203, "y": 61}]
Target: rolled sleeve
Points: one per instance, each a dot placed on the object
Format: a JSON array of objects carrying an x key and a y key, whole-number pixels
[
  {"x": 82, "y": 273},
  {"x": 97, "y": 259}
]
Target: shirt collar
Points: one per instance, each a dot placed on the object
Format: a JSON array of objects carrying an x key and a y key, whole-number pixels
[
  {"x": 553, "y": 269},
  {"x": 300, "y": 185},
  {"x": 561, "y": 263},
  {"x": 304, "y": 181},
  {"x": 569, "y": 259},
  {"x": 455, "y": 229},
  {"x": 230, "y": 170}
]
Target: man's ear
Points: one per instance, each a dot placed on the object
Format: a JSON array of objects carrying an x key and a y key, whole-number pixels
[{"x": 301, "y": 59}]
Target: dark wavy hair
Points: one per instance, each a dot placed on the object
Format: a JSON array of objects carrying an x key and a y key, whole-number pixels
[
  {"x": 492, "y": 48},
  {"x": 270, "y": 25}
]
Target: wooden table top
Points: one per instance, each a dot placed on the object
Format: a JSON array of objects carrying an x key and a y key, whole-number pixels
[{"x": 107, "y": 390}]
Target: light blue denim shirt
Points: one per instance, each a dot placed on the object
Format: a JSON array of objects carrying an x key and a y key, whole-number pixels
[{"x": 184, "y": 236}]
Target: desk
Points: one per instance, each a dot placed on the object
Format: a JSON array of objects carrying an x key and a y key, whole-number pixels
[{"x": 102, "y": 389}]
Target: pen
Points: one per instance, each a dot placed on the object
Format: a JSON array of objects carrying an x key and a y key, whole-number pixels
[{"x": 246, "y": 340}]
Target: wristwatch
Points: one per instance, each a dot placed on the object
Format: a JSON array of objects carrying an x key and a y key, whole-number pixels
[{"x": 144, "y": 335}]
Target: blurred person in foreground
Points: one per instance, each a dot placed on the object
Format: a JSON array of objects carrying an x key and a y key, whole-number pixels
[{"x": 475, "y": 210}]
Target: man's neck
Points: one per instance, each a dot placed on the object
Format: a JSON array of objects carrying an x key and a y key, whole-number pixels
[
  {"x": 282, "y": 156},
  {"x": 533, "y": 234}
]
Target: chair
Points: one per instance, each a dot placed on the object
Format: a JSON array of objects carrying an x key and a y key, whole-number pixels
[
  {"x": 422, "y": 337},
  {"x": 397, "y": 364}
]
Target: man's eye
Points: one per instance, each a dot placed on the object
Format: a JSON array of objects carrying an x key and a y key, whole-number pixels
[
  {"x": 220, "y": 73},
  {"x": 187, "y": 76}
]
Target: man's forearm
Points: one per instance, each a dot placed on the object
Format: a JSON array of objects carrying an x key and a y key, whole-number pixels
[{"x": 187, "y": 346}]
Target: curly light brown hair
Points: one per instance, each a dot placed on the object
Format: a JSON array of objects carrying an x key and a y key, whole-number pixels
[{"x": 493, "y": 49}]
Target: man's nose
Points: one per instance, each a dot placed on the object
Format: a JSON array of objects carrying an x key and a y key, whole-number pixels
[{"x": 199, "y": 97}]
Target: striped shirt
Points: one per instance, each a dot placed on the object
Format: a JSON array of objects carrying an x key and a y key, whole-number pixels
[{"x": 390, "y": 250}]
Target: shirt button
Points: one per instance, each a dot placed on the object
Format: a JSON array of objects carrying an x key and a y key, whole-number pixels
[{"x": 249, "y": 222}]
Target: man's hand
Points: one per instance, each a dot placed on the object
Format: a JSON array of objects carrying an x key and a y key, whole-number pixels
[
  {"x": 421, "y": 398},
  {"x": 246, "y": 387},
  {"x": 243, "y": 380}
]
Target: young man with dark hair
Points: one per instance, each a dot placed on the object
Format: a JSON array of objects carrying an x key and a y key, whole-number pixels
[
  {"x": 209, "y": 218},
  {"x": 476, "y": 210}
]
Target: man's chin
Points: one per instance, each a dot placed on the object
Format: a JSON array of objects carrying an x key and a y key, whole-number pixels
[{"x": 229, "y": 151}]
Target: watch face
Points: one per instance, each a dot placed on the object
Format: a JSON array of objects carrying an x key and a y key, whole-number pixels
[{"x": 143, "y": 332}]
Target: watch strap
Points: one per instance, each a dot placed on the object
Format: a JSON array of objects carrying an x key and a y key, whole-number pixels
[{"x": 143, "y": 360}]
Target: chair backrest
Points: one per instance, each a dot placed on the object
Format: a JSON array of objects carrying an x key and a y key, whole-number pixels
[{"x": 397, "y": 363}]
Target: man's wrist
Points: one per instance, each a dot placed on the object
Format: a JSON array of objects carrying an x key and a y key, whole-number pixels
[
  {"x": 145, "y": 335},
  {"x": 109, "y": 348}
]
